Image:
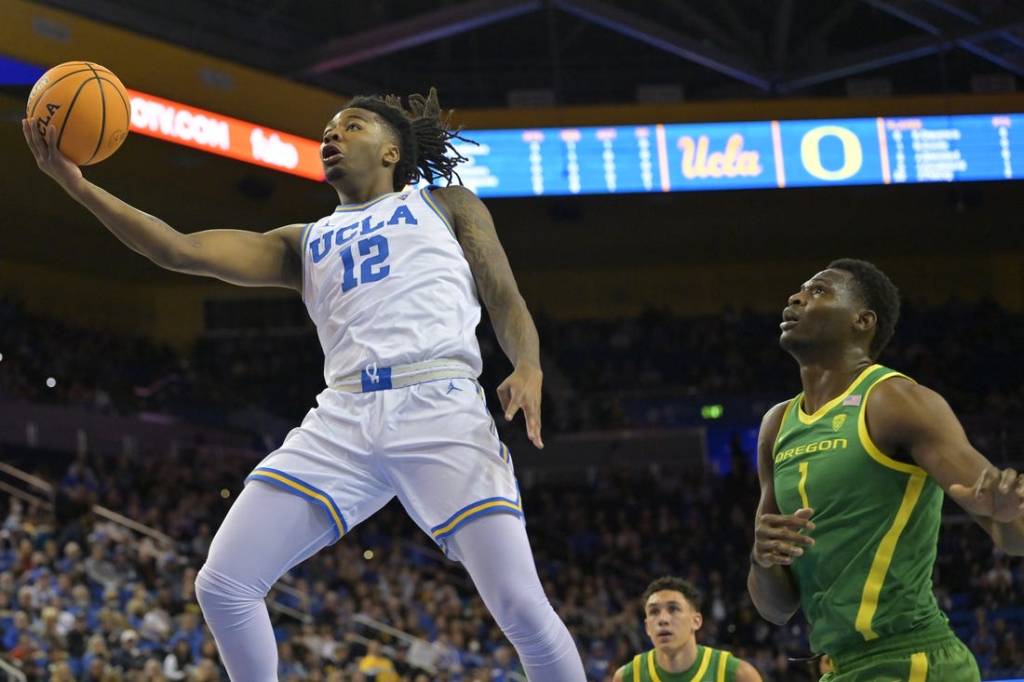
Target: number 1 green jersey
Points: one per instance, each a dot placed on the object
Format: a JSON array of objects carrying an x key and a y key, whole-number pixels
[{"x": 869, "y": 573}]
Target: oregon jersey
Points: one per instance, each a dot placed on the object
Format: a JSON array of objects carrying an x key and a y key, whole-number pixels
[
  {"x": 869, "y": 573},
  {"x": 711, "y": 665}
]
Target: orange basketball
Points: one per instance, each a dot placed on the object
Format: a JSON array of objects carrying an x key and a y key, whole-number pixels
[{"x": 88, "y": 106}]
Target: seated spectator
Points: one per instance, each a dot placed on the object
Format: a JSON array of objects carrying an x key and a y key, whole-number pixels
[
  {"x": 375, "y": 667},
  {"x": 178, "y": 662}
]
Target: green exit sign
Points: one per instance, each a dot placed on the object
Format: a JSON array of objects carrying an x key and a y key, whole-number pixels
[{"x": 712, "y": 411}]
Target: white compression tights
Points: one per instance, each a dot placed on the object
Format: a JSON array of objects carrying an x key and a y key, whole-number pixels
[
  {"x": 496, "y": 552},
  {"x": 267, "y": 531}
]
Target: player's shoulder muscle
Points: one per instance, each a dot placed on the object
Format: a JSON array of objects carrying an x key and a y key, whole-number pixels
[
  {"x": 289, "y": 235},
  {"x": 766, "y": 437},
  {"x": 289, "y": 240},
  {"x": 745, "y": 672},
  {"x": 464, "y": 207},
  {"x": 769, "y": 430}
]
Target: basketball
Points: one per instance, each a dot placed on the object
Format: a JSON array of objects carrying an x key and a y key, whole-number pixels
[{"x": 87, "y": 104}]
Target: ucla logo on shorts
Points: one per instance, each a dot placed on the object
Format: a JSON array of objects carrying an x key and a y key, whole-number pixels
[{"x": 374, "y": 378}]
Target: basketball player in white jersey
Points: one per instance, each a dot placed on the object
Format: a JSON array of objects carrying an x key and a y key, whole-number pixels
[{"x": 391, "y": 279}]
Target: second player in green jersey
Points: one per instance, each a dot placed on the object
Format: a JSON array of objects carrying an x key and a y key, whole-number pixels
[{"x": 672, "y": 618}]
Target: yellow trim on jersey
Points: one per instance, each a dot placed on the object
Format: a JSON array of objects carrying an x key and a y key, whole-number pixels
[
  {"x": 821, "y": 411},
  {"x": 720, "y": 676},
  {"x": 312, "y": 494},
  {"x": 703, "y": 665},
  {"x": 919, "y": 667},
  {"x": 883, "y": 557},
  {"x": 869, "y": 445},
  {"x": 802, "y": 487},
  {"x": 652, "y": 670}
]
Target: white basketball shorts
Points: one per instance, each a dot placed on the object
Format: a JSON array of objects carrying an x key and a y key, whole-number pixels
[{"x": 433, "y": 444}]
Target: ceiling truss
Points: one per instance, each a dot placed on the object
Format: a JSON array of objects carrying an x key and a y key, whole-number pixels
[{"x": 775, "y": 47}]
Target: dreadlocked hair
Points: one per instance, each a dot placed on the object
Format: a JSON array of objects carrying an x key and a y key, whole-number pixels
[{"x": 424, "y": 136}]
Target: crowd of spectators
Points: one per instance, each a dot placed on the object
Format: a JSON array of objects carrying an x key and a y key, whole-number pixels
[
  {"x": 635, "y": 372},
  {"x": 82, "y": 599},
  {"x": 88, "y": 600},
  {"x": 967, "y": 352},
  {"x": 89, "y": 367}
]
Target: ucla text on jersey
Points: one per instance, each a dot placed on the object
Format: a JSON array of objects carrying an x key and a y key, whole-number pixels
[{"x": 386, "y": 284}]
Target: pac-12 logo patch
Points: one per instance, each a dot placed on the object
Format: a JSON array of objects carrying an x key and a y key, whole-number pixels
[{"x": 838, "y": 421}]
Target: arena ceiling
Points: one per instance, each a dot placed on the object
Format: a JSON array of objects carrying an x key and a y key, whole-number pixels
[{"x": 477, "y": 52}]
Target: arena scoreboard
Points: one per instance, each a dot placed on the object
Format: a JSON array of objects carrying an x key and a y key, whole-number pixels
[
  {"x": 658, "y": 157},
  {"x": 646, "y": 157},
  {"x": 743, "y": 155}
]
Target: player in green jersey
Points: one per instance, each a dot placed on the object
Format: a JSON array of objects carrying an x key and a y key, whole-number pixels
[
  {"x": 852, "y": 473},
  {"x": 671, "y": 618}
]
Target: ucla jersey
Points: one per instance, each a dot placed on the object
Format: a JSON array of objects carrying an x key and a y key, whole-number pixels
[{"x": 386, "y": 283}]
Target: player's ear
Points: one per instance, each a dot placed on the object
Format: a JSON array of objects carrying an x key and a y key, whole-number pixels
[
  {"x": 698, "y": 620},
  {"x": 866, "y": 320},
  {"x": 391, "y": 154}
]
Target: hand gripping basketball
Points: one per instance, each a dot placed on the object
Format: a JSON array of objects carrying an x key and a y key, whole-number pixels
[
  {"x": 87, "y": 104},
  {"x": 47, "y": 156}
]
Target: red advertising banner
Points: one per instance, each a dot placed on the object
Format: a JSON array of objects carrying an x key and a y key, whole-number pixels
[{"x": 224, "y": 135}]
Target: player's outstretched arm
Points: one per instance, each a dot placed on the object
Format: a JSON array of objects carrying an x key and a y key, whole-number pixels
[
  {"x": 235, "y": 256},
  {"x": 498, "y": 290},
  {"x": 903, "y": 416},
  {"x": 778, "y": 538}
]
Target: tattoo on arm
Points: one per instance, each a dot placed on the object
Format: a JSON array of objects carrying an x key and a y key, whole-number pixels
[{"x": 495, "y": 282}]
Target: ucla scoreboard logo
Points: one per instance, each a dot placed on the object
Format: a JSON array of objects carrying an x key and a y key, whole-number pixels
[{"x": 723, "y": 155}]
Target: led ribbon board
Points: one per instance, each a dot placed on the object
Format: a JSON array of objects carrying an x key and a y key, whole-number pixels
[
  {"x": 643, "y": 158},
  {"x": 745, "y": 155},
  {"x": 655, "y": 158}
]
